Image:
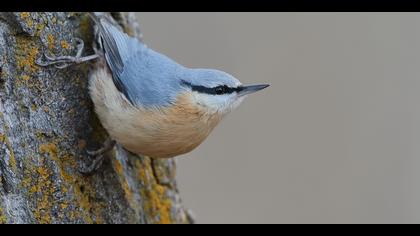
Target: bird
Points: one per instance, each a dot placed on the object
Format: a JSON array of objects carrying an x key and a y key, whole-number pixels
[{"x": 147, "y": 102}]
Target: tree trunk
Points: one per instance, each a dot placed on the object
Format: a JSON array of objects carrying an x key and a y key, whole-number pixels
[{"x": 46, "y": 125}]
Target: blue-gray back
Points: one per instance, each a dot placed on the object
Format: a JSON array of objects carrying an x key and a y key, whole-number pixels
[
  {"x": 145, "y": 77},
  {"x": 150, "y": 78}
]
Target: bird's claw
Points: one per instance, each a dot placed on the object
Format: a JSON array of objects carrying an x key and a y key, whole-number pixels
[
  {"x": 98, "y": 157},
  {"x": 58, "y": 62},
  {"x": 91, "y": 168},
  {"x": 61, "y": 62}
]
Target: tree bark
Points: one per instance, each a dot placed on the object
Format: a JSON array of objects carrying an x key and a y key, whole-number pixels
[{"x": 47, "y": 123}]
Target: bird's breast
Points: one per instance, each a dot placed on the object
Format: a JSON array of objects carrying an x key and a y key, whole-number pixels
[
  {"x": 156, "y": 132},
  {"x": 171, "y": 131}
]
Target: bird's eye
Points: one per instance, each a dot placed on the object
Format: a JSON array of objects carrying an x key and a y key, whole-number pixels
[{"x": 220, "y": 90}]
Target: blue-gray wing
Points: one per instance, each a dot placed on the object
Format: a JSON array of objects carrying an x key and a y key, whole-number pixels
[
  {"x": 144, "y": 76},
  {"x": 118, "y": 49}
]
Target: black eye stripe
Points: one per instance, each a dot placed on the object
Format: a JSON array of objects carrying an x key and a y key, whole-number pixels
[{"x": 219, "y": 90}]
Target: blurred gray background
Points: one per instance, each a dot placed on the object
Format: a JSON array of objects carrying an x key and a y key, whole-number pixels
[{"x": 335, "y": 139}]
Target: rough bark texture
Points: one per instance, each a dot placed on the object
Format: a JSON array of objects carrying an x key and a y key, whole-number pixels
[{"x": 47, "y": 123}]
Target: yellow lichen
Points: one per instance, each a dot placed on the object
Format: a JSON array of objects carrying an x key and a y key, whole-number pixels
[
  {"x": 33, "y": 107},
  {"x": 64, "y": 206},
  {"x": 25, "y": 77},
  {"x": 82, "y": 190},
  {"x": 42, "y": 190},
  {"x": 27, "y": 180},
  {"x": 25, "y": 14},
  {"x": 26, "y": 55},
  {"x": 157, "y": 204},
  {"x": 3, "y": 219},
  {"x": 51, "y": 41},
  {"x": 39, "y": 28},
  {"x": 30, "y": 22},
  {"x": 119, "y": 168},
  {"x": 65, "y": 44},
  {"x": 127, "y": 191},
  {"x": 26, "y": 17},
  {"x": 49, "y": 148},
  {"x": 12, "y": 159},
  {"x": 125, "y": 186}
]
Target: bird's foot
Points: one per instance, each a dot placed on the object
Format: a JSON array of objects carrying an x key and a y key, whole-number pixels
[
  {"x": 97, "y": 157},
  {"x": 62, "y": 62}
]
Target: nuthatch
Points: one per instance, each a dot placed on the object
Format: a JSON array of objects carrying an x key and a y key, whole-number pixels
[{"x": 147, "y": 102}]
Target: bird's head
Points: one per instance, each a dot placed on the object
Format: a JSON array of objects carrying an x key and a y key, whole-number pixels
[{"x": 217, "y": 91}]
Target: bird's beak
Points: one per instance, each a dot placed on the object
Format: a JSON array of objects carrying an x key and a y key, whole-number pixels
[{"x": 248, "y": 89}]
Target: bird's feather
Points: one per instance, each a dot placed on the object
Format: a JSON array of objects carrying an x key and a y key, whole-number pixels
[{"x": 145, "y": 77}]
